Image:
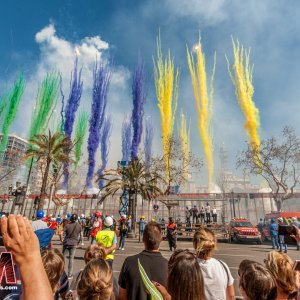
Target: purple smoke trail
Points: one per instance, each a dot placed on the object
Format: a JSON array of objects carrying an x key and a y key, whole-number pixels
[
  {"x": 101, "y": 76},
  {"x": 104, "y": 144},
  {"x": 138, "y": 99},
  {"x": 126, "y": 139},
  {"x": 149, "y": 133},
  {"x": 71, "y": 109}
]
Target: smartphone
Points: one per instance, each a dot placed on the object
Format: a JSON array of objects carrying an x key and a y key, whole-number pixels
[{"x": 296, "y": 266}]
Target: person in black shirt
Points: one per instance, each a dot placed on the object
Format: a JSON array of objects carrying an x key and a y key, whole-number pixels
[{"x": 155, "y": 265}]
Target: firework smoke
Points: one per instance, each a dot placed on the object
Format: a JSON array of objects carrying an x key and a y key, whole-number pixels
[
  {"x": 104, "y": 144},
  {"x": 204, "y": 103},
  {"x": 244, "y": 90},
  {"x": 166, "y": 84},
  {"x": 45, "y": 104},
  {"x": 138, "y": 100},
  {"x": 14, "y": 98},
  {"x": 102, "y": 76},
  {"x": 70, "y": 111},
  {"x": 149, "y": 133},
  {"x": 184, "y": 137},
  {"x": 80, "y": 133},
  {"x": 126, "y": 139}
]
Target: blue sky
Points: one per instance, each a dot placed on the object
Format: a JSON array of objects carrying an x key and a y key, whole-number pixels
[{"x": 38, "y": 36}]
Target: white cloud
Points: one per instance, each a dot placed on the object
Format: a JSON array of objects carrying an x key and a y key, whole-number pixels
[{"x": 58, "y": 53}]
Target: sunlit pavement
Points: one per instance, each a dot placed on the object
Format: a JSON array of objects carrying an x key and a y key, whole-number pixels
[{"x": 232, "y": 254}]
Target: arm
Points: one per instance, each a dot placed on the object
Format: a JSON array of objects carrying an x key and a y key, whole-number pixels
[
  {"x": 122, "y": 294},
  {"x": 20, "y": 240},
  {"x": 162, "y": 290},
  {"x": 230, "y": 293},
  {"x": 109, "y": 250}
]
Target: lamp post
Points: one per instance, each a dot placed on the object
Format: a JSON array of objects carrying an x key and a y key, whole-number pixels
[{"x": 233, "y": 204}]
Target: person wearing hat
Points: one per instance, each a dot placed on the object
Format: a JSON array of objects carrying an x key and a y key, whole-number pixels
[
  {"x": 142, "y": 225},
  {"x": 39, "y": 223},
  {"x": 71, "y": 237},
  {"x": 273, "y": 227},
  {"x": 96, "y": 226},
  {"x": 108, "y": 239}
]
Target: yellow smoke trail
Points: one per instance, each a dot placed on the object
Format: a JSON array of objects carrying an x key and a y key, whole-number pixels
[
  {"x": 184, "y": 136},
  {"x": 204, "y": 102},
  {"x": 244, "y": 90},
  {"x": 166, "y": 85}
]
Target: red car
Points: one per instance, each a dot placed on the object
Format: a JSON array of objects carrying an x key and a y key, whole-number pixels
[{"x": 242, "y": 230}]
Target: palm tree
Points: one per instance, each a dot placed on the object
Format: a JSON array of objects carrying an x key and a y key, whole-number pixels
[
  {"x": 136, "y": 179},
  {"x": 49, "y": 149}
]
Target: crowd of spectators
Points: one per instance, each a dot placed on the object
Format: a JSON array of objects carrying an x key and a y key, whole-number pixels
[{"x": 188, "y": 275}]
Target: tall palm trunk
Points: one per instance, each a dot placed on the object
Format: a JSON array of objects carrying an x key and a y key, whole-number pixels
[
  {"x": 44, "y": 185},
  {"x": 131, "y": 207}
]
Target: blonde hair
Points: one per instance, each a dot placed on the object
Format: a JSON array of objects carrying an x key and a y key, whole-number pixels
[
  {"x": 204, "y": 242},
  {"x": 54, "y": 265},
  {"x": 96, "y": 282},
  {"x": 281, "y": 267},
  {"x": 94, "y": 251}
]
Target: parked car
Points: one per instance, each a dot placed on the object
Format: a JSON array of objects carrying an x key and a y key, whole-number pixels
[{"x": 242, "y": 230}]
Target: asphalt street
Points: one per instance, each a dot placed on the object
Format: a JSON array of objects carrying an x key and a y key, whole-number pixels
[{"x": 232, "y": 254}]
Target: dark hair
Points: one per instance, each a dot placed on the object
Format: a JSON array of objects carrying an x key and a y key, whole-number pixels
[
  {"x": 152, "y": 236},
  {"x": 257, "y": 282},
  {"x": 185, "y": 280},
  {"x": 54, "y": 264}
]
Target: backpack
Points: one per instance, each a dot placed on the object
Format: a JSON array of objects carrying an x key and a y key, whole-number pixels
[
  {"x": 123, "y": 228},
  {"x": 44, "y": 236}
]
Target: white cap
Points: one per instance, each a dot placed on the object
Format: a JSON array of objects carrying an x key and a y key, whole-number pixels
[
  {"x": 280, "y": 219},
  {"x": 294, "y": 219},
  {"x": 123, "y": 216},
  {"x": 108, "y": 221},
  {"x": 82, "y": 215}
]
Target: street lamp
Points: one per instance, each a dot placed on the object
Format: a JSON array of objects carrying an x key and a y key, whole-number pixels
[{"x": 233, "y": 204}]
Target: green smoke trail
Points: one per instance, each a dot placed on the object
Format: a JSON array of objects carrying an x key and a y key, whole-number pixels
[
  {"x": 80, "y": 133},
  {"x": 14, "y": 98},
  {"x": 3, "y": 103},
  {"x": 45, "y": 104}
]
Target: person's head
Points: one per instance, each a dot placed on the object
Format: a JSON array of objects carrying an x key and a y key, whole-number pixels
[
  {"x": 73, "y": 218},
  {"x": 96, "y": 281},
  {"x": 108, "y": 222},
  {"x": 294, "y": 219},
  {"x": 280, "y": 220},
  {"x": 170, "y": 220},
  {"x": 94, "y": 251},
  {"x": 273, "y": 220},
  {"x": 97, "y": 214},
  {"x": 54, "y": 264},
  {"x": 185, "y": 280},
  {"x": 260, "y": 219},
  {"x": 244, "y": 265},
  {"x": 152, "y": 236},
  {"x": 256, "y": 282},
  {"x": 281, "y": 267},
  {"x": 40, "y": 214},
  {"x": 204, "y": 243}
]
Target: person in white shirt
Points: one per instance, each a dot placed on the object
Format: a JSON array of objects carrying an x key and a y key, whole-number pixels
[
  {"x": 207, "y": 212},
  {"x": 39, "y": 223},
  {"x": 218, "y": 281},
  {"x": 214, "y": 214}
]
